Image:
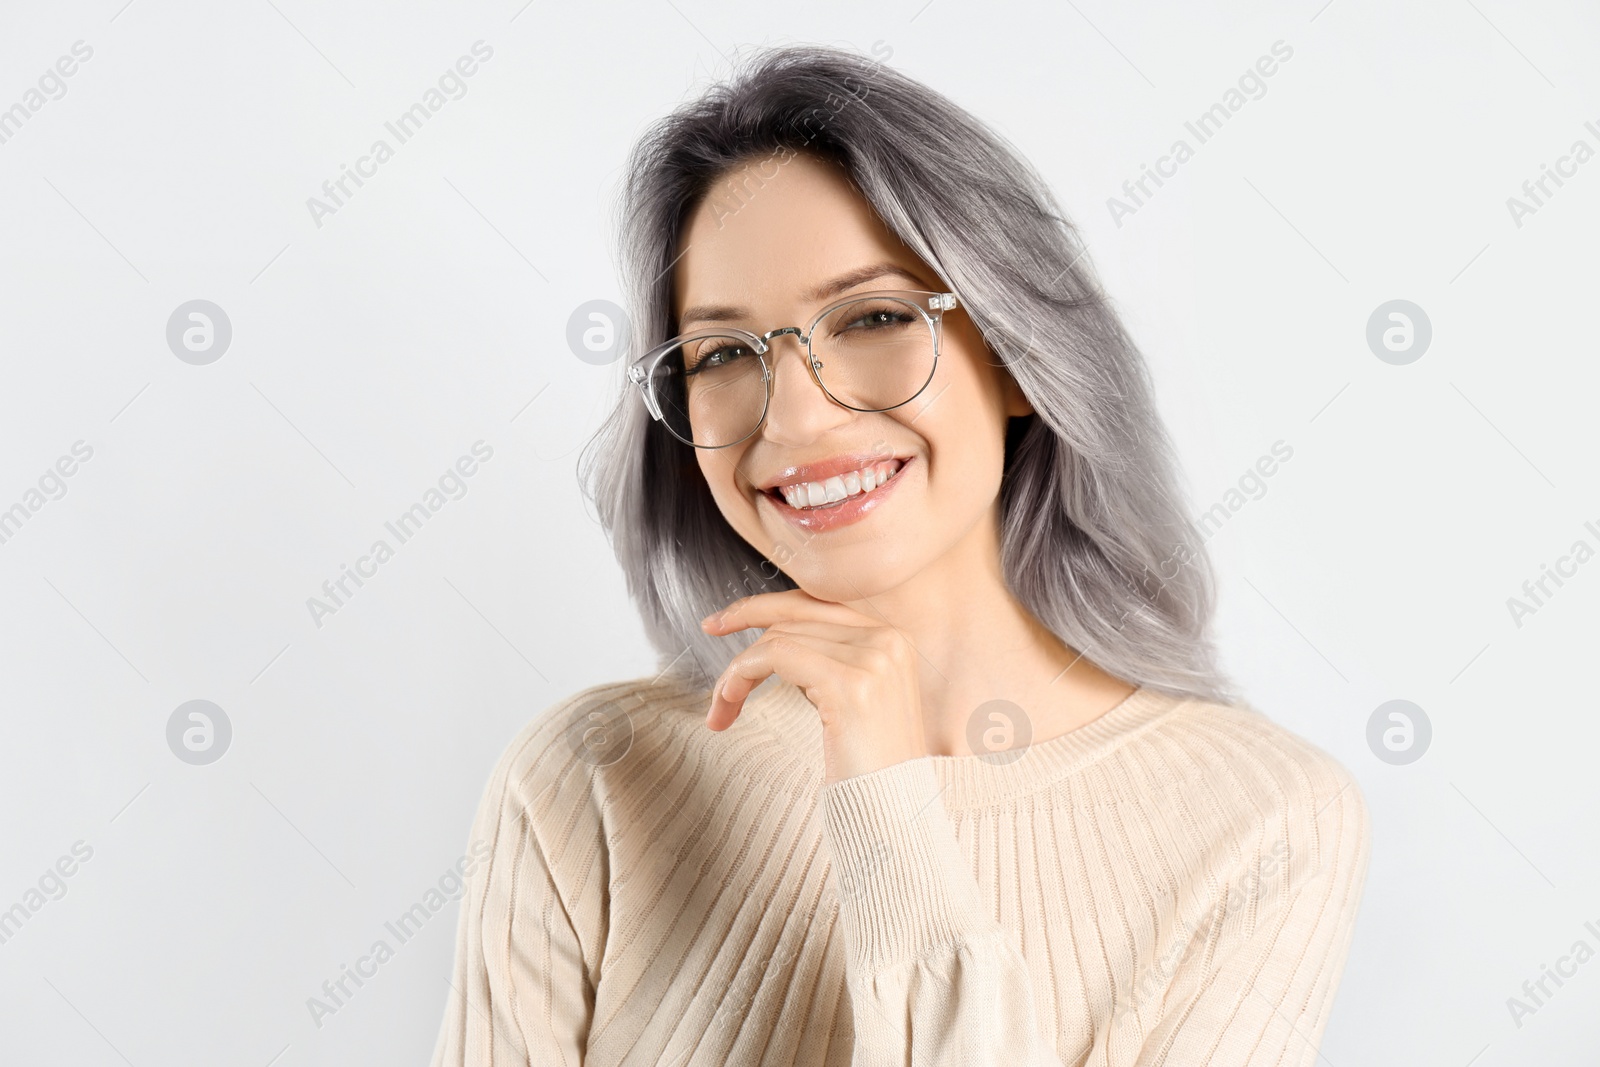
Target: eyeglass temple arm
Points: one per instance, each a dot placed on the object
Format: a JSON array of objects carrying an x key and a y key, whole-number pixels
[{"x": 637, "y": 377}]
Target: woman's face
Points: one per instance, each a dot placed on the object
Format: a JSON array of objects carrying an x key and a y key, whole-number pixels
[{"x": 755, "y": 254}]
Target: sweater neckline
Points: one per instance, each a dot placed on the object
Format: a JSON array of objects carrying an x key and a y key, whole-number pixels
[{"x": 977, "y": 780}]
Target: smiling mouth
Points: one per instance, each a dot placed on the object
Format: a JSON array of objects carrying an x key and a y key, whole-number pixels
[{"x": 832, "y": 492}]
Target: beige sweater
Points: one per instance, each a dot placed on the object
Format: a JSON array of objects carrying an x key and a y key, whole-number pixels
[{"x": 1175, "y": 883}]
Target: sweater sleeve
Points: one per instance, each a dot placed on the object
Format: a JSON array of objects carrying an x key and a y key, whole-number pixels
[
  {"x": 1258, "y": 986},
  {"x": 932, "y": 979},
  {"x": 520, "y": 991}
]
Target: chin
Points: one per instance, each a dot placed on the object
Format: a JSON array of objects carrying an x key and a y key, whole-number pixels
[{"x": 845, "y": 575}]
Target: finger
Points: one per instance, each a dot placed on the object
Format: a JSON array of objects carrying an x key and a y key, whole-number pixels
[
  {"x": 847, "y": 646},
  {"x": 764, "y": 609},
  {"x": 843, "y": 633},
  {"x": 860, "y": 647},
  {"x": 804, "y": 660}
]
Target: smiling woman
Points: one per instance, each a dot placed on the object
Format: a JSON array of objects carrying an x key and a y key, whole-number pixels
[{"x": 960, "y": 782}]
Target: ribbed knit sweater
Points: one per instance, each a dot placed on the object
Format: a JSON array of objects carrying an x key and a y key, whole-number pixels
[{"x": 1175, "y": 883}]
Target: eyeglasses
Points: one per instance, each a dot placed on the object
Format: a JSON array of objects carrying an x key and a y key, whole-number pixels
[{"x": 869, "y": 352}]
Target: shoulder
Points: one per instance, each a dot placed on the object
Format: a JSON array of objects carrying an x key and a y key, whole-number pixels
[
  {"x": 1237, "y": 747},
  {"x": 574, "y": 741},
  {"x": 569, "y": 777},
  {"x": 624, "y": 776},
  {"x": 1250, "y": 784}
]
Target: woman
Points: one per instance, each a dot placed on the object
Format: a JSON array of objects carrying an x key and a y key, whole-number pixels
[{"x": 939, "y": 769}]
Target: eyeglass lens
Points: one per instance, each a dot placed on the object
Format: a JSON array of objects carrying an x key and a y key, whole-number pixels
[{"x": 873, "y": 354}]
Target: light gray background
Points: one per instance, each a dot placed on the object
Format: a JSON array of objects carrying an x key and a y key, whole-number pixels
[{"x": 431, "y": 312}]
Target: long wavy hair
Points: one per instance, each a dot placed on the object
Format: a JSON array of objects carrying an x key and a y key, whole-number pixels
[{"x": 1093, "y": 540}]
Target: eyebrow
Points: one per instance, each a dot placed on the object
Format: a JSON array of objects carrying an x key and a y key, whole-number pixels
[{"x": 843, "y": 283}]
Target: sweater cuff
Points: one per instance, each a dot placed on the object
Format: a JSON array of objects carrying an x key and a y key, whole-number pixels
[{"x": 903, "y": 883}]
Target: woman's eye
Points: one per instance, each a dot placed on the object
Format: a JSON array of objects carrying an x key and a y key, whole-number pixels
[
  {"x": 878, "y": 319},
  {"x": 718, "y": 357}
]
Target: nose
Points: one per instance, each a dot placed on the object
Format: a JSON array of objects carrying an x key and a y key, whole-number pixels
[{"x": 799, "y": 410}]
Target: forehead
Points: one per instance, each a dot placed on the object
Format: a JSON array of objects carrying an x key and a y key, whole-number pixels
[{"x": 772, "y": 228}]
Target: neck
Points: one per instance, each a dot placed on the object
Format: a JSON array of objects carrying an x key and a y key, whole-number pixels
[{"x": 977, "y": 643}]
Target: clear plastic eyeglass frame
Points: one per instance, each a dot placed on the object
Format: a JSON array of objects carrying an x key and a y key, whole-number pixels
[{"x": 931, "y": 305}]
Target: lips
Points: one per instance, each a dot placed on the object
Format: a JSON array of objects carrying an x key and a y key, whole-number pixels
[
  {"x": 822, "y": 470},
  {"x": 840, "y": 487},
  {"x": 831, "y": 516}
]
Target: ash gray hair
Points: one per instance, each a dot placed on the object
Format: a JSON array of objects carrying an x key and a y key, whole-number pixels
[{"x": 1093, "y": 540}]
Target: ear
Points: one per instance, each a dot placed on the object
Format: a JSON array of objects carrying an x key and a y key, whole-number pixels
[{"x": 1016, "y": 401}]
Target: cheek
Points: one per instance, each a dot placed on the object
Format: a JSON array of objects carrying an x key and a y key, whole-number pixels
[
  {"x": 720, "y": 473},
  {"x": 966, "y": 448}
]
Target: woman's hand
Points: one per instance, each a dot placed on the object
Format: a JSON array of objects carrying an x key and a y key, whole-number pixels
[{"x": 858, "y": 672}]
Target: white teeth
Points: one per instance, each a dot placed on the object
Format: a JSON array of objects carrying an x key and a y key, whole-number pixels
[{"x": 840, "y": 487}]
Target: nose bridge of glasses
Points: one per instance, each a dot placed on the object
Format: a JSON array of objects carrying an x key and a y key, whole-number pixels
[
  {"x": 802, "y": 344},
  {"x": 802, "y": 365},
  {"x": 799, "y": 337}
]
